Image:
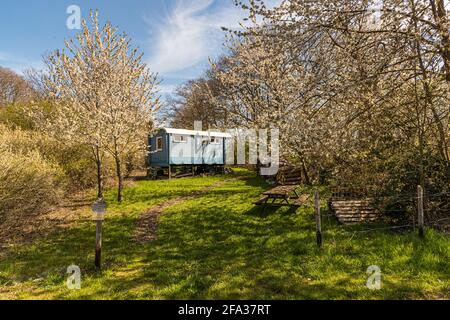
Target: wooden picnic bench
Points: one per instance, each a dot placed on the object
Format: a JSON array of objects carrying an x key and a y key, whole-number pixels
[{"x": 282, "y": 196}]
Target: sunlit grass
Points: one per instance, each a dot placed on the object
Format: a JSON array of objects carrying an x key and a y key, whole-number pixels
[{"x": 219, "y": 246}]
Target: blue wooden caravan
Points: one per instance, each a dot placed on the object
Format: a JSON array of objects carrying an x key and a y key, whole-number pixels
[{"x": 177, "y": 147}]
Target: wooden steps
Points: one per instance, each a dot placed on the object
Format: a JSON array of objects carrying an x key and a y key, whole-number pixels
[
  {"x": 289, "y": 175},
  {"x": 354, "y": 211}
]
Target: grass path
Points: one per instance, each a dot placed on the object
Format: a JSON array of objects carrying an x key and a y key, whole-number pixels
[{"x": 147, "y": 223}]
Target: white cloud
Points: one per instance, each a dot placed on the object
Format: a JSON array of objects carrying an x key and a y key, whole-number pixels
[
  {"x": 3, "y": 56},
  {"x": 164, "y": 89},
  {"x": 19, "y": 64},
  {"x": 190, "y": 33}
]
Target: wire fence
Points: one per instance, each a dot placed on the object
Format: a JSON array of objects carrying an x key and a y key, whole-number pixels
[
  {"x": 412, "y": 225},
  {"x": 418, "y": 221}
]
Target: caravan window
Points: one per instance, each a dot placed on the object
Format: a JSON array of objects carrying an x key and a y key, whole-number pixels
[
  {"x": 159, "y": 144},
  {"x": 214, "y": 140},
  {"x": 179, "y": 139}
]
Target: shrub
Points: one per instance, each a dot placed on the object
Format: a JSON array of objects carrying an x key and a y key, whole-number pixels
[{"x": 28, "y": 182}]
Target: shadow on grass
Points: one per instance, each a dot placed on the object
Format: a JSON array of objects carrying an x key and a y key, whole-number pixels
[{"x": 218, "y": 246}]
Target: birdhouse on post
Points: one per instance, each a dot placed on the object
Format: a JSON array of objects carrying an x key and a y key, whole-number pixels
[{"x": 99, "y": 209}]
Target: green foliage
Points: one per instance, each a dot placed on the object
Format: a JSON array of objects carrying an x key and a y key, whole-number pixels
[
  {"x": 18, "y": 115},
  {"x": 398, "y": 177},
  {"x": 75, "y": 160},
  {"x": 219, "y": 246}
]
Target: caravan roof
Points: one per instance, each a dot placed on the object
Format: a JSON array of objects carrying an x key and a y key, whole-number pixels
[{"x": 197, "y": 133}]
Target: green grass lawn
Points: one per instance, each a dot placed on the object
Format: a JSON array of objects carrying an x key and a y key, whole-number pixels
[{"x": 219, "y": 246}]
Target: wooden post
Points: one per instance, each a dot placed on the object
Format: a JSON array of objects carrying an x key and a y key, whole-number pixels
[
  {"x": 98, "y": 245},
  {"x": 318, "y": 219},
  {"x": 420, "y": 219},
  {"x": 170, "y": 172},
  {"x": 99, "y": 209}
]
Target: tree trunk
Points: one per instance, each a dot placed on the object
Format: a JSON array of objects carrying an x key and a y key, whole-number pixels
[
  {"x": 305, "y": 173},
  {"x": 258, "y": 168},
  {"x": 120, "y": 180},
  {"x": 119, "y": 174},
  {"x": 98, "y": 162}
]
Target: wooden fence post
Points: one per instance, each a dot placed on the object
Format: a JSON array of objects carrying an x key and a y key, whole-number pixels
[
  {"x": 420, "y": 219},
  {"x": 98, "y": 245},
  {"x": 318, "y": 219}
]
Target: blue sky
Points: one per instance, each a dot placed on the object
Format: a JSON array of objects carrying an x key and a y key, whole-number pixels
[{"x": 176, "y": 36}]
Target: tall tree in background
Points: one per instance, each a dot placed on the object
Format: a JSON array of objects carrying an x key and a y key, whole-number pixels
[
  {"x": 13, "y": 88},
  {"x": 199, "y": 100},
  {"x": 192, "y": 102},
  {"x": 103, "y": 95}
]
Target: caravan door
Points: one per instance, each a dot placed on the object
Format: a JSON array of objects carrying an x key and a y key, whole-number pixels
[
  {"x": 213, "y": 151},
  {"x": 198, "y": 150}
]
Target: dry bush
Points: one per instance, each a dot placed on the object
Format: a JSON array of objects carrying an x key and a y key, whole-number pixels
[
  {"x": 28, "y": 183},
  {"x": 75, "y": 160}
]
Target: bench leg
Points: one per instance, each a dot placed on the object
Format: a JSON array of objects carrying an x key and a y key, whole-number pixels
[{"x": 264, "y": 206}]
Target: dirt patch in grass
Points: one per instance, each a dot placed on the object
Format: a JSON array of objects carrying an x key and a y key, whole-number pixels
[
  {"x": 442, "y": 295},
  {"x": 147, "y": 224},
  {"x": 24, "y": 229}
]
